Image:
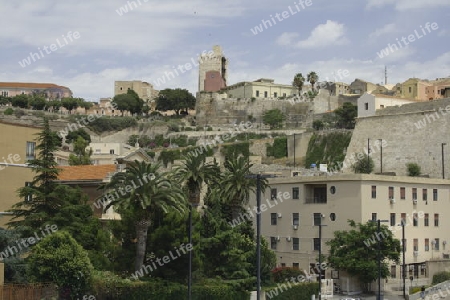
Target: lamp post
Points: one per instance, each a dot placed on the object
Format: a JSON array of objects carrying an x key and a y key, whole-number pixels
[
  {"x": 258, "y": 229},
  {"x": 379, "y": 255},
  {"x": 381, "y": 155},
  {"x": 368, "y": 153},
  {"x": 443, "y": 169},
  {"x": 294, "y": 151},
  {"x": 403, "y": 252},
  {"x": 320, "y": 256}
]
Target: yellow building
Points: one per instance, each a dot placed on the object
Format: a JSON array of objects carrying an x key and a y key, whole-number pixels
[
  {"x": 415, "y": 88},
  {"x": 144, "y": 90},
  {"x": 17, "y": 146}
]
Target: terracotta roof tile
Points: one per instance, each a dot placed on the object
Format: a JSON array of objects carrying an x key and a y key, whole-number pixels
[
  {"x": 86, "y": 172},
  {"x": 29, "y": 85}
]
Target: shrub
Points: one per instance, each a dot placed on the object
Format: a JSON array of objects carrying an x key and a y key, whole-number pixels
[
  {"x": 104, "y": 124},
  {"x": 302, "y": 291},
  {"x": 441, "y": 277},
  {"x": 282, "y": 273},
  {"x": 9, "y": 111},
  {"x": 363, "y": 165},
  {"x": 19, "y": 113},
  {"x": 318, "y": 125},
  {"x": 413, "y": 169}
]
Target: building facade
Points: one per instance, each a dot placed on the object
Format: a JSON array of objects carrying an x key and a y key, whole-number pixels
[
  {"x": 359, "y": 87},
  {"x": 50, "y": 91},
  {"x": 261, "y": 88},
  {"x": 144, "y": 90},
  {"x": 295, "y": 207},
  {"x": 415, "y": 88},
  {"x": 369, "y": 103}
]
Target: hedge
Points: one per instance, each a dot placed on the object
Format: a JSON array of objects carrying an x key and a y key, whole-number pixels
[
  {"x": 441, "y": 277},
  {"x": 302, "y": 291}
]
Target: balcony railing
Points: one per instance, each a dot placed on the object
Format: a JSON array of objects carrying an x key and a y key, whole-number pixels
[{"x": 319, "y": 200}]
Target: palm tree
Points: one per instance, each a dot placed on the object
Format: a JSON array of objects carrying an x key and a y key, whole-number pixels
[
  {"x": 298, "y": 82},
  {"x": 151, "y": 191},
  {"x": 312, "y": 78},
  {"x": 235, "y": 187},
  {"x": 193, "y": 173}
]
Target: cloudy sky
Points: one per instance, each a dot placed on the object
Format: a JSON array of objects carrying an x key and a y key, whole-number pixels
[{"x": 87, "y": 45}]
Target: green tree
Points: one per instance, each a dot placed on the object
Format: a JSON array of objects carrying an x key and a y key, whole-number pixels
[
  {"x": 21, "y": 101},
  {"x": 38, "y": 103},
  {"x": 413, "y": 169},
  {"x": 355, "y": 251},
  {"x": 153, "y": 191},
  {"x": 128, "y": 102},
  {"x": 54, "y": 105},
  {"x": 176, "y": 100},
  {"x": 235, "y": 187},
  {"x": 318, "y": 125},
  {"x": 73, "y": 135},
  {"x": 81, "y": 156},
  {"x": 40, "y": 200},
  {"x": 70, "y": 103},
  {"x": 364, "y": 164},
  {"x": 346, "y": 115},
  {"x": 312, "y": 78},
  {"x": 274, "y": 118},
  {"x": 298, "y": 82},
  {"x": 60, "y": 259}
]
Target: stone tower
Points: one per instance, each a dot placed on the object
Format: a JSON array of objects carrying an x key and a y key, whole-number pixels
[{"x": 212, "y": 61}]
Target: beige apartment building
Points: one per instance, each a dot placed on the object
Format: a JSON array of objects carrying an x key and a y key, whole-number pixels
[
  {"x": 261, "y": 88},
  {"x": 17, "y": 146},
  {"x": 290, "y": 224},
  {"x": 50, "y": 91}
]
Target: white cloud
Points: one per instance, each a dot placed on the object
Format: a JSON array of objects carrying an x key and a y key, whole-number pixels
[
  {"x": 287, "y": 38},
  {"x": 328, "y": 34},
  {"x": 402, "y": 5},
  {"x": 386, "y": 29}
]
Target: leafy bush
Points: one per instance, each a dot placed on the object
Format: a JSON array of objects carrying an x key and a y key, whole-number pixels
[
  {"x": 413, "y": 169},
  {"x": 318, "y": 125},
  {"x": 363, "y": 165},
  {"x": 441, "y": 277},
  {"x": 151, "y": 154},
  {"x": 167, "y": 156},
  {"x": 279, "y": 148},
  {"x": 19, "y": 113},
  {"x": 104, "y": 124},
  {"x": 60, "y": 259},
  {"x": 241, "y": 148},
  {"x": 9, "y": 111}
]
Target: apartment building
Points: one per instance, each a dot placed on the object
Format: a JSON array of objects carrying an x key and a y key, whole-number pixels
[
  {"x": 291, "y": 225},
  {"x": 261, "y": 88},
  {"x": 50, "y": 91},
  {"x": 17, "y": 146}
]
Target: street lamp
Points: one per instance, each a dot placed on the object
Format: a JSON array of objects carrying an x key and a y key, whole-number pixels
[
  {"x": 381, "y": 155},
  {"x": 443, "y": 173},
  {"x": 368, "y": 153},
  {"x": 190, "y": 252},
  {"x": 294, "y": 151},
  {"x": 320, "y": 256},
  {"x": 258, "y": 229},
  {"x": 379, "y": 255},
  {"x": 403, "y": 251}
]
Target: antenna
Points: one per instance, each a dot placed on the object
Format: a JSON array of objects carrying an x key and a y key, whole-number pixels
[{"x": 385, "y": 75}]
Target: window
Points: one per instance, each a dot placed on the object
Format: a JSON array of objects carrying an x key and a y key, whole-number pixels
[
  {"x": 402, "y": 193},
  {"x": 273, "y": 194},
  {"x": 273, "y": 219},
  {"x": 392, "y": 219},
  {"x": 295, "y": 266},
  {"x": 29, "y": 197},
  {"x": 424, "y": 194},
  {"x": 415, "y": 220},
  {"x": 265, "y": 94},
  {"x": 374, "y": 191},
  {"x": 283, "y": 265},
  {"x": 427, "y": 244},
  {"x": 381, "y": 106},
  {"x": 393, "y": 271},
  {"x": 316, "y": 244},
  {"x": 295, "y": 193},
  {"x": 416, "y": 244},
  {"x": 409, "y": 89},
  {"x": 111, "y": 151},
  {"x": 414, "y": 193},
  {"x": 333, "y": 190},
  {"x": 30, "y": 152},
  {"x": 436, "y": 220},
  {"x": 121, "y": 88},
  {"x": 284, "y": 94},
  {"x": 295, "y": 219},
  {"x": 317, "y": 219},
  {"x": 436, "y": 244},
  {"x": 5, "y": 93},
  {"x": 275, "y": 94},
  {"x": 374, "y": 216},
  {"x": 426, "y": 220},
  {"x": 366, "y": 106},
  {"x": 391, "y": 192},
  {"x": 435, "y": 194},
  {"x": 295, "y": 244},
  {"x": 273, "y": 243},
  {"x": 257, "y": 93}
]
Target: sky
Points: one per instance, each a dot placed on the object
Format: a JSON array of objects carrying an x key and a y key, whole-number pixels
[{"x": 87, "y": 45}]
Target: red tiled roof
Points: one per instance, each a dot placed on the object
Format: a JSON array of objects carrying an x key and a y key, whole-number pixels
[
  {"x": 29, "y": 85},
  {"x": 86, "y": 172}
]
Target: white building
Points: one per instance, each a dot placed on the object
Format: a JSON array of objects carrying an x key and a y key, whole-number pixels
[{"x": 369, "y": 103}]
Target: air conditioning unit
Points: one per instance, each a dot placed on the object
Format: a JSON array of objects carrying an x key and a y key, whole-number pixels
[
  {"x": 295, "y": 227},
  {"x": 279, "y": 215},
  {"x": 416, "y": 253},
  {"x": 392, "y": 200},
  {"x": 288, "y": 239},
  {"x": 278, "y": 238},
  {"x": 415, "y": 202},
  {"x": 322, "y": 215}
]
